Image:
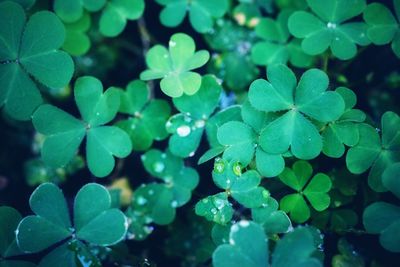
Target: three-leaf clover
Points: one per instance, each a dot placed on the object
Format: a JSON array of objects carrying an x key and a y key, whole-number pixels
[
  {"x": 375, "y": 151},
  {"x": 9, "y": 219},
  {"x": 174, "y": 66},
  {"x": 64, "y": 133},
  {"x": 296, "y": 104},
  {"x": 232, "y": 64},
  {"x": 77, "y": 42},
  {"x": 188, "y": 126},
  {"x": 248, "y": 246},
  {"x": 384, "y": 218},
  {"x": 329, "y": 28},
  {"x": 276, "y": 46},
  {"x": 273, "y": 220},
  {"x": 179, "y": 179},
  {"x": 242, "y": 187},
  {"x": 73, "y": 10},
  {"x": 29, "y": 53},
  {"x": 147, "y": 116},
  {"x": 314, "y": 189},
  {"x": 241, "y": 141},
  {"x": 94, "y": 222},
  {"x": 201, "y": 12},
  {"x": 344, "y": 130},
  {"x": 383, "y": 27}
]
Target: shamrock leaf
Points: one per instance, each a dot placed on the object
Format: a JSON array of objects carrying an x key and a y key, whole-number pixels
[
  {"x": 93, "y": 222},
  {"x": 115, "y": 14},
  {"x": 241, "y": 141},
  {"x": 188, "y": 126},
  {"x": 73, "y": 10},
  {"x": 248, "y": 246},
  {"x": 273, "y": 220},
  {"x": 30, "y": 49},
  {"x": 344, "y": 130},
  {"x": 384, "y": 218},
  {"x": 276, "y": 46},
  {"x": 179, "y": 179},
  {"x": 248, "y": 12},
  {"x": 77, "y": 42},
  {"x": 232, "y": 64},
  {"x": 64, "y": 133},
  {"x": 374, "y": 151},
  {"x": 24, "y": 3},
  {"x": 174, "y": 66},
  {"x": 147, "y": 117},
  {"x": 329, "y": 27},
  {"x": 296, "y": 104},
  {"x": 383, "y": 27},
  {"x": 201, "y": 12},
  {"x": 9, "y": 219},
  {"x": 215, "y": 208},
  {"x": 348, "y": 256},
  {"x": 313, "y": 189}
]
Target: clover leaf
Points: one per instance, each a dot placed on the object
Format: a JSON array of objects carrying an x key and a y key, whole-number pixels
[
  {"x": 116, "y": 13},
  {"x": 347, "y": 255},
  {"x": 383, "y": 27},
  {"x": 147, "y": 116},
  {"x": 273, "y": 220},
  {"x": 179, "y": 179},
  {"x": 241, "y": 141},
  {"x": 344, "y": 130},
  {"x": 9, "y": 219},
  {"x": 64, "y": 133},
  {"x": 313, "y": 189},
  {"x": 188, "y": 126},
  {"x": 29, "y": 53},
  {"x": 384, "y": 218},
  {"x": 24, "y": 3},
  {"x": 201, "y": 12},
  {"x": 295, "y": 104},
  {"x": 375, "y": 151},
  {"x": 232, "y": 64},
  {"x": 248, "y": 246},
  {"x": 73, "y": 10},
  {"x": 77, "y": 42},
  {"x": 277, "y": 46},
  {"x": 174, "y": 66},
  {"x": 329, "y": 27},
  {"x": 94, "y": 222},
  {"x": 248, "y": 12}
]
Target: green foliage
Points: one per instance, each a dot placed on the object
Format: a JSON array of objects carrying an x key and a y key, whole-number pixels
[
  {"x": 147, "y": 117},
  {"x": 30, "y": 49},
  {"x": 374, "y": 151},
  {"x": 347, "y": 257},
  {"x": 309, "y": 98},
  {"x": 174, "y": 66},
  {"x": 313, "y": 189},
  {"x": 9, "y": 219},
  {"x": 329, "y": 28},
  {"x": 77, "y": 42},
  {"x": 201, "y": 12},
  {"x": 383, "y": 28},
  {"x": 64, "y": 133},
  {"x": 248, "y": 247},
  {"x": 384, "y": 218},
  {"x": 276, "y": 47},
  {"x": 93, "y": 222}
]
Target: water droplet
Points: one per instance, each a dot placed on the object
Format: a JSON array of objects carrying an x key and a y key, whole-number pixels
[
  {"x": 174, "y": 204},
  {"x": 237, "y": 168},
  {"x": 331, "y": 25},
  {"x": 244, "y": 223},
  {"x": 151, "y": 192},
  {"x": 219, "y": 165},
  {"x": 141, "y": 200},
  {"x": 231, "y": 241},
  {"x": 205, "y": 201},
  {"x": 219, "y": 203},
  {"x": 158, "y": 167},
  {"x": 200, "y": 123},
  {"x": 183, "y": 130},
  {"x": 191, "y": 154},
  {"x": 234, "y": 228},
  {"x": 97, "y": 113},
  {"x": 148, "y": 229},
  {"x": 172, "y": 43},
  {"x": 214, "y": 211}
]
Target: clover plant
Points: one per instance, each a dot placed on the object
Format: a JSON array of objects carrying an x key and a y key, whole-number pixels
[{"x": 221, "y": 133}]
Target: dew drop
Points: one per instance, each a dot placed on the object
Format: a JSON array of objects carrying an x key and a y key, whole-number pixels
[
  {"x": 183, "y": 130},
  {"x": 244, "y": 223},
  {"x": 141, "y": 200},
  {"x": 174, "y": 204},
  {"x": 158, "y": 167}
]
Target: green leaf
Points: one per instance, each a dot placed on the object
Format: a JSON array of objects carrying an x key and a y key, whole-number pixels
[
  {"x": 116, "y": 13},
  {"x": 273, "y": 220},
  {"x": 215, "y": 208},
  {"x": 247, "y": 247},
  {"x": 239, "y": 140},
  {"x": 9, "y": 219},
  {"x": 77, "y": 42},
  {"x": 71, "y": 11},
  {"x": 201, "y": 13},
  {"x": 174, "y": 66},
  {"x": 22, "y": 60},
  {"x": 390, "y": 179},
  {"x": 296, "y": 206}
]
